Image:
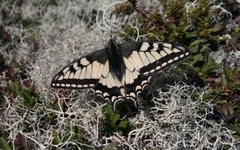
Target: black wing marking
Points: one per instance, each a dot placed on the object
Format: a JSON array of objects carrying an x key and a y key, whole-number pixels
[{"x": 82, "y": 73}]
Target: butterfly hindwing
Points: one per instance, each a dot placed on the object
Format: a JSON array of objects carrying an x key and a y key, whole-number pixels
[{"x": 119, "y": 93}]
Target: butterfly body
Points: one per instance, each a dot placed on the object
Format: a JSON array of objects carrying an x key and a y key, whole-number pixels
[
  {"x": 115, "y": 58},
  {"x": 121, "y": 71}
]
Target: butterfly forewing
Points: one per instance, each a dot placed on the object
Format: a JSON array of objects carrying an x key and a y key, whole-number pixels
[
  {"x": 151, "y": 57},
  {"x": 82, "y": 73}
]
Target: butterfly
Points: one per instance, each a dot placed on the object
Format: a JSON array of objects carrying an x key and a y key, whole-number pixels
[{"x": 120, "y": 72}]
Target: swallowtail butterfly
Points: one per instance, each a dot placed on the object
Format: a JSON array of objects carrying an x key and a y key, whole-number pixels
[{"x": 120, "y": 72}]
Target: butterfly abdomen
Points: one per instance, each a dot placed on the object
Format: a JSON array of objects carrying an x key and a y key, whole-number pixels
[{"x": 116, "y": 63}]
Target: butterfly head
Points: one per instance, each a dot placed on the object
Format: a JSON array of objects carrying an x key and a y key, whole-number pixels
[{"x": 112, "y": 45}]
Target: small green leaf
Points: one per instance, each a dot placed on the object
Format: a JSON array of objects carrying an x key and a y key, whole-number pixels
[
  {"x": 185, "y": 29},
  {"x": 194, "y": 45},
  {"x": 190, "y": 34},
  {"x": 196, "y": 42},
  {"x": 29, "y": 100},
  {"x": 123, "y": 124},
  {"x": 224, "y": 81},
  {"x": 222, "y": 101},
  {"x": 114, "y": 118},
  {"x": 4, "y": 144},
  {"x": 204, "y": 49},
  {"x": 171, "y": 26},
  {"x": 217, "y": 27},
  {"x": 224, "y": 110},
  {"x": 56, "y": 139},
  {"x": 14, "y": 88},
  {"x": 237, "y": 129},
  {"x": 196, "y": 58},
  {"x": 227, "y": 110},
  {"x": 209, "y": 66},
  {"x": 227, "y": 72}
]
